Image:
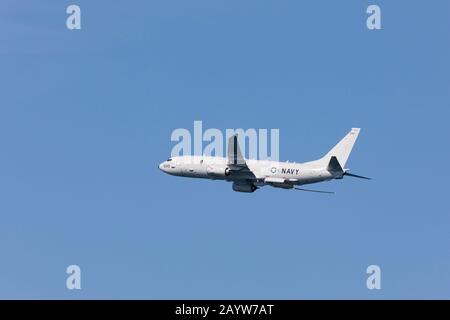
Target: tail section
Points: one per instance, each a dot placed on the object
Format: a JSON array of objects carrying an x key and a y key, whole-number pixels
[{"x": 342, "y": 150}]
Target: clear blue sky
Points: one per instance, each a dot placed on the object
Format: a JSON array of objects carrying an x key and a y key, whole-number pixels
[{"x": 86, "y": 117}]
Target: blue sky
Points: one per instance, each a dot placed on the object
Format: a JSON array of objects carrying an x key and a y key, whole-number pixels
[{"x": 86, "y": 117}]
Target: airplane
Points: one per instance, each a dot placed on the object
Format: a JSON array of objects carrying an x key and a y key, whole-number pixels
[{"x": 249, "y": 175}]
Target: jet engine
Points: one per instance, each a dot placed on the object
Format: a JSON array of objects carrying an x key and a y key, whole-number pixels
[
  {"x": 244, "y": 187},
  {"x": 218, "y": 171}
]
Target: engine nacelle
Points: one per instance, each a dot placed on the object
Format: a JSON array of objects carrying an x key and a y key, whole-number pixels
[
  {"x": 244, "y": 187},
  {"x": 218, "y": 171}
]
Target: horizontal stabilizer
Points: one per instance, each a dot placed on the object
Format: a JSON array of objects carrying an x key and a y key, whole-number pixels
[
  {"x": 310, "y": 190},
  {"x": 334, "y": 166},
  {"x": 356, "y": 176}
]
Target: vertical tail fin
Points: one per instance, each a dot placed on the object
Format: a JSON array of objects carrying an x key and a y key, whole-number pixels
[{"x": 342, "y": 150}]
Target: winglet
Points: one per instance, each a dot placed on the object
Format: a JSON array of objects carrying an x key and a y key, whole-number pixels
[{"x": 234, "y": 152}]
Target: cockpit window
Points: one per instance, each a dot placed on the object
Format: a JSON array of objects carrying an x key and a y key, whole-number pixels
[{"x": 170, "y": 159}]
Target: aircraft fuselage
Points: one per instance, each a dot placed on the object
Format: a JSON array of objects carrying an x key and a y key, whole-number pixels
[
  {"x": 261, "y": 171},
  {"x": 248, "y": 175}
]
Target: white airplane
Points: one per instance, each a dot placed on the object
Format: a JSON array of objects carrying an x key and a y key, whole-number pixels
[{"x": 249, "y": 175}]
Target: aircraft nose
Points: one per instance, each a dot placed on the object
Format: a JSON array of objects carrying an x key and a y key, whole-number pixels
[{"x": 161, "y": 166}]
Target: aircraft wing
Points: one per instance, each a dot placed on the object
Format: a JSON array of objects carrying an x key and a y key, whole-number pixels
[{"x": 279, "y": 182}]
